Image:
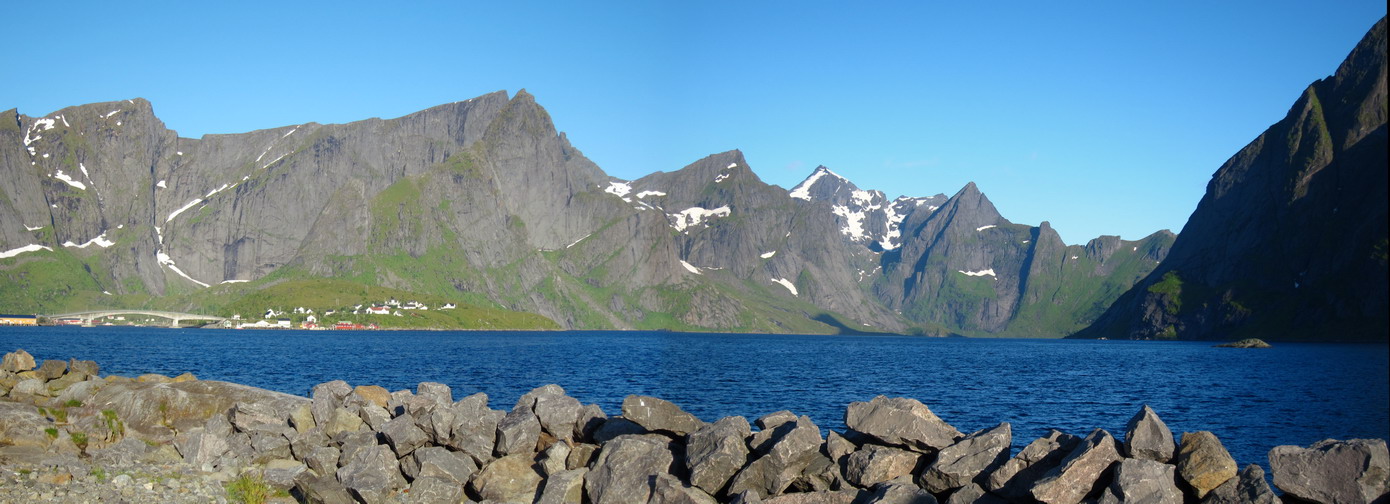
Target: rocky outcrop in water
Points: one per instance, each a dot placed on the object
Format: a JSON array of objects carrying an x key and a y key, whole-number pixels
[{"x": 80, "y": 436}]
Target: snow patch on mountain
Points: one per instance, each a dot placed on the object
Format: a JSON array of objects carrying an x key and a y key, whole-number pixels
[
  {"x": 99, "y": 241},
  {"x": 691, "y": 267},
  {"x": 983, "y": 272},
  {"x": 696, "y": 215},
  {"x": 786, "y": 283},
  {"x": 27, "y": 248},
  {"x": 767, "y": 255},
  {"x": 63, "y": 177}
]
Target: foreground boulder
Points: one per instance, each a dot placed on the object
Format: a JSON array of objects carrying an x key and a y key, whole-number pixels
[
  {"x": 1142, "y": 480},
  {"x": 656, "y": 414},
  {"x": 900, "y": 421},
  {"x": 968, "y": 460},
  {"x": 1355, "y": 471},
  {"x": 1080, "y": 472},
  {"x": 1248, "y": 487},
  {"x": 797, "y": 445},
  {"x": 156, "y": 410},
  {"x": 1203, "y": 462},
  {"x": 625, "y": 468},
  {"x": 1147, "y": 437},
  {"x": 716, "y": 452},
  {"x": 1015, "y": 477}
]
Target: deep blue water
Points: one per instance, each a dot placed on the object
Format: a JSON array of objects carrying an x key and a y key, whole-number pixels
[{"x": 1252, "y": 399}]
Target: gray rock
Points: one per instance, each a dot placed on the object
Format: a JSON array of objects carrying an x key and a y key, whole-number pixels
[
  {"x": 323, "y": 489},
  {"x": 820, "y": 475},
  {"x": 1142, "y": 481},
  {"x": 475, "y": 428},
  {"x": 155, "y": 411},
  {"x": 372, "y": 474},
  {"x": 1015, "y": 478},
  {"x": 1332, "y": 471},
  {"x": 246, "y": 416},
  {"x": 1203, "y": 462},
  {"x": 373, "y": 416},
  {"x": 439, "y": 425},
  {"x": 430, "y": 490},
  {"x": 581, "y": 455},
  {"x": 507, "y": 479},
  {"x": 518, "y": 432},
  {"x": 973, "y": 494},
  {"x": 655, "y": 414},
  {"x": 1248, "y": 487},
  {"x": 1147, "y": 437},
  {"x": 303, "y": 443},
  {"x": 587, "y": 420},
  {"x": 968, "y": 460},
  {"x": 625, "y": 466},
  {"x": 326, "y": 397},
  {"x": 269, "y": 446},
  {"x": 554, "y": 459},
  {"x": 323, "y": 459},
  {"x": 17, "y": 361},
  {"x": 403, "y": 435},
  {"x": 788, "y": 456},
  {"x": 557, "y": 412},
  {"x": 83, "y": 367},
  {"x": 772, "y": 420},
  {"x": 899, "y": 492},
  {"x": 614, "y": 427},
  {"x": 350, "y": 442},
  {"x": 818, "y": 497},
  {"x": 564, "y": 487},
  {"x": 202, "y": 449},
  {"x": 746, "y": 497},
  {"x": 282, "y": 473},
  {"x": 52, "y": 369},
  {"x": 440, "y": 393},
  {"x": 32, "y": 386},
  {"x": 669, "y": 489},
  {"x": 121, "y": 453},
  {"x": 902, "y": 422},
  {"x": 716, "y": 452},
  {"x": 873, "y": 464},
  {"x": 837, "y": 447},
  {"x": 1080, "y": 472},
  {"x": 302, "y": 418}
]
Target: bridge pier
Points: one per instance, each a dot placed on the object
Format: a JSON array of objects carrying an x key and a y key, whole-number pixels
[{"x": 174, "y": 323}]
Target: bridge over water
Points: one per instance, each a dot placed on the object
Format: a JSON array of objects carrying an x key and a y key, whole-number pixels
[{"x": 175, "y": 317}]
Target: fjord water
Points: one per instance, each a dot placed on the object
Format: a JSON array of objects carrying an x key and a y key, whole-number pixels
[{"x": 1253, "y": 399}]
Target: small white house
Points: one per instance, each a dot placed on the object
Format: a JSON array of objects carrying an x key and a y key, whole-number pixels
[{"x": 379, "y": 310}]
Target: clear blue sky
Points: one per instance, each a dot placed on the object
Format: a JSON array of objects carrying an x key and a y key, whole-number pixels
[{"x": 1101, "y": 117}]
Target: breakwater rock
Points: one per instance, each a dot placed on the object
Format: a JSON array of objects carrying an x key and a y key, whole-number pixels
[{"x": 68, "y": 434}]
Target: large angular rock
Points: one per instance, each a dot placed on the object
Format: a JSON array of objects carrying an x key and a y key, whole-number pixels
[
  {"x": 375, "y": 394},
  {"x": 656, "y": 414},
  {"x": 1147, "y": 437},
  {"x": 874, "y": 464},
  {"x": 899, "y": 492},
  {"x": 323, "y": 489},
  {"x": 342, "y": 420},
  {"x": 372, "y": 474},
  {"x": 588, "y": 419},
  {"x": 820, "y": 475},
  {"x": 52, "y": 369},
  {"x": 564, "y": 487},
  {"x": 22, "y": 425},
  {"x": 968, "y": 460},
  {"x": 624, "y": 469},
  {"x": 518, "y": 432},
  {"x": 716, "y": 452},
  {"x": 837, "y": 447},
  {"x": 323, "y": 459},
  {"x": 554, "y": 459},
  {"x": 475, "y": 427},
  {"x": 281, "y": 473},
  {"x": 202, "y": 449},
  {"x": 556, "y": 411},
  {"x": 1014, "y": 479},
  {"x": 1331, "y": 471},
  {"x": 17, "y": 361},
  {"x": 1080, "y": 472},
  {"x": 786, "y": 458},
  {"x": 326, "y": 397},
  {"x": 403, "y": 435},
  {"x": 438, "y": 393},
  {"x": 1143, "y": 481},
  {"x": 83, "y": 367},
  {"x": 1248, "y": 487},
  {"x": 439, "y": 462},
  {"x": 973, "y": 494},
  {"x": 1203, "y": 462},
  {"x": 581, "y": 455},
  {"x": 669, "y": 489},
  {"x": 149, "y": 410},
  {"x": 817, "y": 497},
  {"x": 429, "y": 490},
  {"x": 507, "y": 479},
  {"x": 614, "y": 427},
  {"x": 900, "y": 421}
]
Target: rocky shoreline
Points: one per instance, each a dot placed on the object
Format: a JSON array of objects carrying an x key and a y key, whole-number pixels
[{"x": 68, "y": 434}]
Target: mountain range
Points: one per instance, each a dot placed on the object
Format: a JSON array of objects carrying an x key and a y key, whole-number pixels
[{"x": 483, "y": 202}]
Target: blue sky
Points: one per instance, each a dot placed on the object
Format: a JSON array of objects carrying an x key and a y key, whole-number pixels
[{"x": 1101, "y": 117}]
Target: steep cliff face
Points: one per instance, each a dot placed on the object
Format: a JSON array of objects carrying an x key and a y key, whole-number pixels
[
  {"x": 484, "y": 200},
  {"x": 1289, "y": 241}
]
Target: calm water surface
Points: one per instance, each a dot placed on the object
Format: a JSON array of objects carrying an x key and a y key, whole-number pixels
[{"x": 1252, "y": 399}]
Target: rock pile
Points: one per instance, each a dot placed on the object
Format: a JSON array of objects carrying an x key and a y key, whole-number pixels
[{"x": 364, "y": 444}]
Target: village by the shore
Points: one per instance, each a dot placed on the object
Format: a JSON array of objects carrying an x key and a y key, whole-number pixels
[{"x": 69, "y": 434}]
